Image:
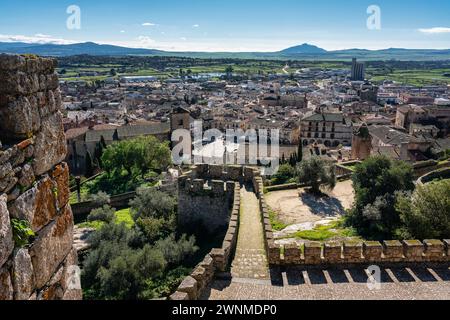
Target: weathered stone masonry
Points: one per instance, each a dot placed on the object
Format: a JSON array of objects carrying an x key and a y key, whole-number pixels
[
  {"x": 191, "y": 185},
  {"x": 34, "y": 184}
]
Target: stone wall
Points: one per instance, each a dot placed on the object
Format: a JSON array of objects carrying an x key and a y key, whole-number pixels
[
  {"x": 360, "y": 252},
  {"x": 205, "y": 200},
  {"x": 346, "y": 252},
  {"x": 218, "y": 260},
  {"x": 34, "y": 184}
]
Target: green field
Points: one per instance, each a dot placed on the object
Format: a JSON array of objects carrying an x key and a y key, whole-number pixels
[{"x": 417, "y": 77}]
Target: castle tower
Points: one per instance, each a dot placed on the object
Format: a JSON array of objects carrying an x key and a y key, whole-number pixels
[
  {"x": 361, "y": 143},
  {"x": 180, "y": 119}
]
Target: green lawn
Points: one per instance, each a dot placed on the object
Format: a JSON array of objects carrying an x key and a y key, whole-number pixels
[
  {"x": 122, "y": 216},
  {"x": 417, "y": 77},
  {"x": 277, "y": 225},
  {"x": 333, "y": 230}
]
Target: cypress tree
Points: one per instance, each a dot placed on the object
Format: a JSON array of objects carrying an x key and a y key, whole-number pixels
[
  {"x": 300, "y": 151},
  {"x": 89, "y": 168}
]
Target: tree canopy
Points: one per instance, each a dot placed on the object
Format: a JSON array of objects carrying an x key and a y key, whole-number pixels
[
  {"x": 316, "y": 173},
  {"x": 377, "y": 181}
]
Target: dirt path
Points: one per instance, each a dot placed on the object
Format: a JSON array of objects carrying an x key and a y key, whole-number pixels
[{"x": 250, "y": 260}]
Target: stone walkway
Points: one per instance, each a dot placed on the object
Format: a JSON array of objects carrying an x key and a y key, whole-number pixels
[
  {"x": 250, "y": 260},
  {"x": 337, "y": 284}
]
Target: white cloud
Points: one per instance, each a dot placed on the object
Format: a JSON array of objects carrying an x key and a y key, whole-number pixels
[
  {"x": 145, "y": 41},
  {"x": 37, "y": 38},
  {"x": 148, "y": 24},
  {"x": 196, "y": 26},
  {"x": 183, "y": 38},
  {"x": 40, "y": 35},
  {"x": 122, "y": 31},
  {"x": 436, "y": 30}
]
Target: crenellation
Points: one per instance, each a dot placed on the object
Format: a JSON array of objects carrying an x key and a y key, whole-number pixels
[
  {"x": 434, "y": 250},
  {"x": 313, "y": 253},
  {"x": 332, "y": 252},
  {"x": 413, "y": 250},
  {"x": 392, "y": 251}
]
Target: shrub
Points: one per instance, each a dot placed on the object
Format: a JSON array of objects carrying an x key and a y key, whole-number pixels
[
  {"x": 105, "y": 214},
  {"x": 21, "y": 232}
]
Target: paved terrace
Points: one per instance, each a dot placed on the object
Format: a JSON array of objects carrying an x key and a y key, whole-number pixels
[{"x": 298, "y": 283}]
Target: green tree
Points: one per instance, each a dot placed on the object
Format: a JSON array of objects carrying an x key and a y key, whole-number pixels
[
  {"x": 376, "y": 182},
  {"x": 425, "y": 214},
  {"x": 89, "y": 165},
  {"x": 300, "y": 151},
  {"x": 142, "y": 154},
  {"x": 316, "y": 173},
  {"x": 285, "y": 173}
]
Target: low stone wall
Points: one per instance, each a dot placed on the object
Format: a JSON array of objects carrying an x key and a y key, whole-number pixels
[
  {"x": 82, "y": 209},
  {"x": 437, "y": 174},
  {"x": 363, "y": 252},
  {"x": 218, "y": 260},
  {"x": 264, "y": 210},
  {"x": 34, "y": 185}
]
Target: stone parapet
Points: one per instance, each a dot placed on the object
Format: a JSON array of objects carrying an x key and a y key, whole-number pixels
[{"x": 359, "y": 252}]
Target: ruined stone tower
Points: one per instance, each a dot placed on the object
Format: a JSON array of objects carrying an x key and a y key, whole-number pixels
[
  {"x": 34, "y": 189},
  {"x": 361, "y": 143}
]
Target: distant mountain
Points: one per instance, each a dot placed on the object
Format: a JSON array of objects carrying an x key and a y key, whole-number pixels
[
  {"x": 304, "y": 49},
  {"x": 301, "y": 52},
  {"x": 90, "y": 48}
]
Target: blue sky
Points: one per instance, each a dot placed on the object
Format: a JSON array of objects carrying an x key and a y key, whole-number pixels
[{"x": 231, "y": 25}]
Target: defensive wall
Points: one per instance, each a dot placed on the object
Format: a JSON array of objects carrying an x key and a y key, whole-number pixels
[{"x": 34, "y": 185}]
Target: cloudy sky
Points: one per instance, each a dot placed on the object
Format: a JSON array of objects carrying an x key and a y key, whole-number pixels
[{"x": 230, "y": 25}]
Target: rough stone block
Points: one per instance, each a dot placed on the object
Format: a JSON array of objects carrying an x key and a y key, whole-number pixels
[
  {"x": 189, "y": 286},
  {"x": 274, "y": 253},
  {"x": 6, "y": 235},
  {"x": 19, "y": 117},
  {"x": 201, "y": 276},
  {"x": 313, "y": 252},
  {"x": 50, "y": 144},
  {"x": 23, "y": 276},
  {"x": 372, "y": 251},
  {"x": 70, "y": 280},
  {"x": 392, "y": 251},
  {"x": 332, "y": 252},
  {"x": 352, "y": 251},
  {"x": 61, "y": 176},
  {"x": 6, "y": 287},
  {"x": 434, "y": 250},
  {"x": 413, "y": 250},
  {"x": 10, "y": 62},
  {"x": 26, "y": 176},
  {"x": 37, "y": 205},
  {"x": 53, "y": 244},
  {"x": 217, "y": 187},
  {"x": 179, "y": 296},
  {"x": 234, "y": 172},
  {"x": 197, "y": 185},
  {"x": 292, "y": 254}
]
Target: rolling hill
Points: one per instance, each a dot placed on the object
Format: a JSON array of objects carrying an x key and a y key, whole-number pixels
[{"x": 301, "y": 52}]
